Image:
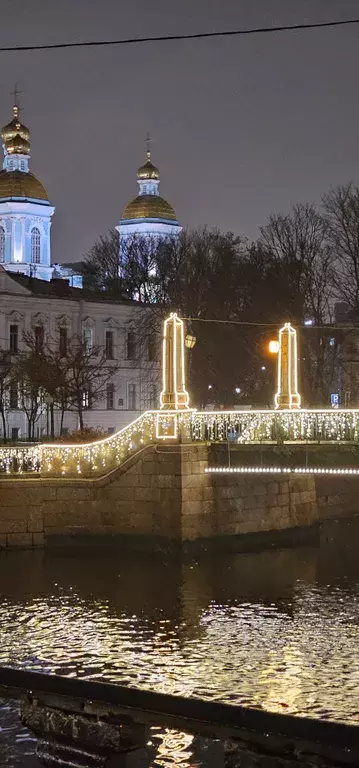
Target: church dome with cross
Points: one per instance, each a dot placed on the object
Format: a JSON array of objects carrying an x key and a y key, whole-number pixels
[
  {"x": 148, "y": 214},
  {"x": 25, "y": 210}
]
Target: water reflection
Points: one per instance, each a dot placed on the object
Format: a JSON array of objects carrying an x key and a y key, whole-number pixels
[{"x": 276, "y": 629}]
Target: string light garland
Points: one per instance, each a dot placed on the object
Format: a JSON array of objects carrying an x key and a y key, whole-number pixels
[
  {"x": 281, "y": 470},
  {"x": 241, "y": 427}
]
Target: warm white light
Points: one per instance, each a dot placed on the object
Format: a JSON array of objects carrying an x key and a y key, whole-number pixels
[
  {"x": 273, "y": 346},
  {"x": 282, "y": 470},
  {"x": 287, "y": 395},
  {"x": 173, "y": 366}
]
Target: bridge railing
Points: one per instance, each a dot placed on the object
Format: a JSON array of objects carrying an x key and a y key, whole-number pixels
[
  {"x": 275, "y": 426},
  {"x": 82, "y": 722},
  {"x": 79, "y": 459},
  {"x": 99, "y": 457}
]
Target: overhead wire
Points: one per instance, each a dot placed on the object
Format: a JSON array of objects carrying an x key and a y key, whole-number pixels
[
  {"x": 305, "y": 326},
  {"x": 191, "y": 36}
]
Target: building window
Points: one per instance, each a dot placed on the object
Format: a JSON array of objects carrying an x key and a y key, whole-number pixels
[
  {"x": 88, "y": 339},
  {"x": 130, "y": 345},
  {"x": 2, "y": 244},
  {"x": 39, "y": 338},
  {"x": 151, "y": 348},
  {"x": 14, "y": 339},
  {"x": 132, "y": 397},
  {"x": 63, "y": 342},
  {"x": 110, "y": 396},
  {"x": 86, "y": 400},
  {"x": 14, "y": 394},
  {"x": 109, "y": 345},
  {"x": 35, "y": 245}
]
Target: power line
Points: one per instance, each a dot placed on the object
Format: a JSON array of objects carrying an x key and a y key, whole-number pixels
[
  {"x": 311, "y": 327},
  {"x": 195, "y": 36}
]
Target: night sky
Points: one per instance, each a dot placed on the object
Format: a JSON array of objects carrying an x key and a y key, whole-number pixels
[{"x": 241, "y": 127}]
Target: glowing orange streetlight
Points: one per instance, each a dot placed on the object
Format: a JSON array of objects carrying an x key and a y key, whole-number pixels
[{"x": 273, "y": 347}]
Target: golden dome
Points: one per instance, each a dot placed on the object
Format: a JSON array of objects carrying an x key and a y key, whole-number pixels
[
  {"x": 15, "y": 128},
  {"x": 17, "y": 146},
  {"x": 18, "y": 184},
  {"x": 148, "y": 170},
  {"x": 148, "y": 207}
]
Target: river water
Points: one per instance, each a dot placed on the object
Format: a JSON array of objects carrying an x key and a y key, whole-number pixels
[{"x": 276, "y": 629}]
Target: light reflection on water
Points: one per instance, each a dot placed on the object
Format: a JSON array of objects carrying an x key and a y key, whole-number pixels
[{"x": 277, "y": 629}]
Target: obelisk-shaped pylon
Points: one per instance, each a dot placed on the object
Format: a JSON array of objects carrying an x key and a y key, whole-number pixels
[
  {"x": 287, "y": 396},
  {"x": 174, "y": 395}
]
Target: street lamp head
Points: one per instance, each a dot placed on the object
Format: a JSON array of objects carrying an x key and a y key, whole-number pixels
[
  {"x": 190, "y": 340},
  {"x": 273, "y": 346}
]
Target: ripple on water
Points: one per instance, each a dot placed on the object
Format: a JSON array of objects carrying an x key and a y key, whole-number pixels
[{"x": 214, "y": 632}]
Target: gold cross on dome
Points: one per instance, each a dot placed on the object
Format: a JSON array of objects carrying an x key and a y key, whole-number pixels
[
  {"x": 16, "y": 93},
  {"x": 148, "y": 141}
]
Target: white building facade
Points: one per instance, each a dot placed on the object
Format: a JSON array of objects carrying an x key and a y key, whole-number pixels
[{"x": 64, "y": 312}]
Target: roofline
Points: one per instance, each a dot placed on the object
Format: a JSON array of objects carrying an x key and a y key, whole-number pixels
[
  {"x": 25, "y": 199},
  {"x": 172, "y": 222}
]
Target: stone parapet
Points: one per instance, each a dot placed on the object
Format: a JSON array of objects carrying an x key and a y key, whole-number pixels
[{"x": 164, "y": 494}]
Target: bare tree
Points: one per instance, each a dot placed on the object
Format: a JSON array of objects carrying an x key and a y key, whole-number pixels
[
  {"x": 6, "y": 371},
  {"x": 100, "y": 267},
  {"x": 87, "y": 374},
  {"x": 341, "y": 211}
]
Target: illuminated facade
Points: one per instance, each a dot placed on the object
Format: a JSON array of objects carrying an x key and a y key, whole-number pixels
[
  {"x": 63, "y": 313},
  {"x": 148, "y": 214},
  {"x": 25, "y": 211},
  {"x": 287, "y": 396}
]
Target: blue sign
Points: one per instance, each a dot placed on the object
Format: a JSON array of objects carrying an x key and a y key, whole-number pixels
[{"x": 334, "y": 399}]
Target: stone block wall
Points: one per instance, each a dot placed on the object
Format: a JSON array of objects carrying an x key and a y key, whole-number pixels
[{"x": 164, "y": 494}]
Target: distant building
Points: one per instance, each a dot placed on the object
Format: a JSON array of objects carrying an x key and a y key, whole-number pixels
[
  {"x": 25, "y": 210},
  {"x": 62, "y": 312},
  {"x": 148, "y": 214}
]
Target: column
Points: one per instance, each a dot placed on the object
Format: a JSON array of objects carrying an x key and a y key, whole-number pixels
[{"x": 287, "y": 396}]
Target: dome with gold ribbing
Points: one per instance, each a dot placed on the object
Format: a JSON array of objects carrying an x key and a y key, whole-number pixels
[
  {"x": 149, "y": 206},
  {"x": 16, "y": 181},
  {"x": 16, "y": 135}
]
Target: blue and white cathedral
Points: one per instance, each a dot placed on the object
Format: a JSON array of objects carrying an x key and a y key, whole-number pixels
[
  {"x": 148, "y": 214},
  {"x": 25, "y": 210}
]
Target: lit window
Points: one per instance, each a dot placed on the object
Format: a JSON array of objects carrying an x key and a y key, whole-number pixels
[
  {"x": 35, "y": 245},
  {"x": 109, "y": 345},
  {"x": 14, "y": 339},
  {"x": 110, "y": 396},
  {"x": 132, "y": 397},
  {"x": 86, "y": 400},
  {"x": 88, "y": 339},
  {"x": 2, "y": 244}
]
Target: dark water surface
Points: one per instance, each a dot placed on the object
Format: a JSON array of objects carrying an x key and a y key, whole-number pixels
[{"x": 276, "y": 629}]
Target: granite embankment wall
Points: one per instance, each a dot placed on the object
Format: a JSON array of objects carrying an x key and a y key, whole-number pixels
[{"x": 163, "y": 494}]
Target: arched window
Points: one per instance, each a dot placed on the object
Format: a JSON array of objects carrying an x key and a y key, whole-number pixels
[
  {"x": 35, "y": 245},
  {"x": 2, "y": 244}
]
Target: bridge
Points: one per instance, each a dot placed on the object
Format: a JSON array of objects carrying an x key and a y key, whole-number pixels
[
  {"x": 222, "y": 474},
  {"x": 176, "y": 420}
]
